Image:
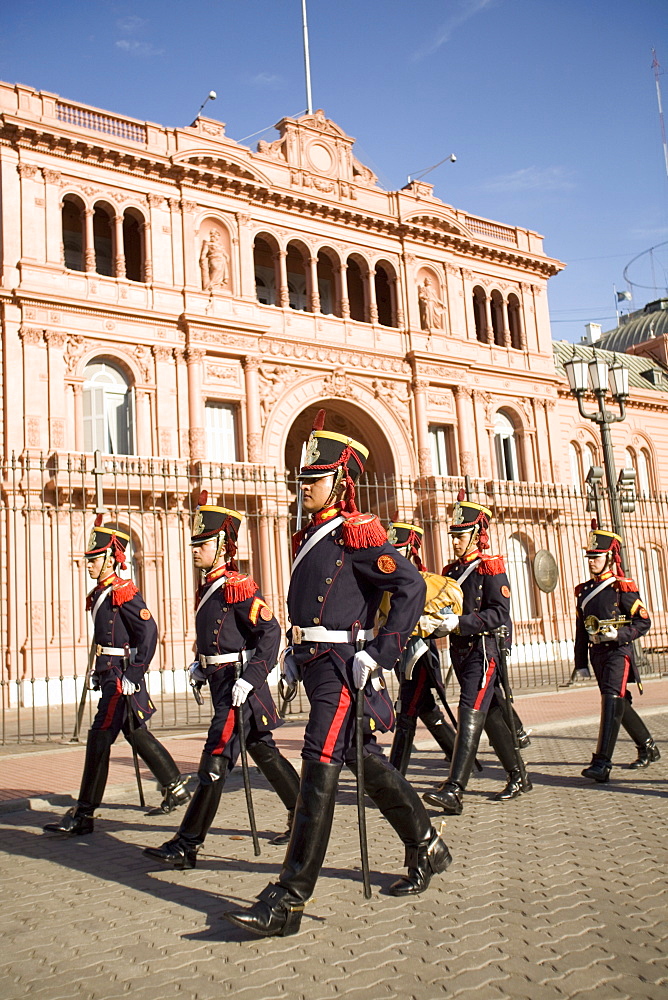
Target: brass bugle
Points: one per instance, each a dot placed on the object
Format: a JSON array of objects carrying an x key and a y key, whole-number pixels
[{"x": 596, "y": 625}]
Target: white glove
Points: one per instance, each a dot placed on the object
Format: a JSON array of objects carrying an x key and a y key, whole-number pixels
[
  {"x": 127, "y": 686},
  {"x": 240, "y": 692},
  {"x": 289, "y": 668},
  {"x": 448, "y": 624},
  {"x": 196, "y": 673},
  {"x": 362, "y": 667},
  {"x": 609, "y": 633}
]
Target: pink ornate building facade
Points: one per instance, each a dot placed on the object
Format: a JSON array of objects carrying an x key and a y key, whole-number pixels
[{"x": 182, "y": 304}]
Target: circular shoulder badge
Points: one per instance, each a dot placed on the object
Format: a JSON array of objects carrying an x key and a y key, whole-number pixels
[
  {"x": 266, "y": 614},
  {"x": 145, "y": 614},
  {"x": 386, "y": 564},
  {"x": 505, "y": 591},
  {"x": 643, "y": 613}
]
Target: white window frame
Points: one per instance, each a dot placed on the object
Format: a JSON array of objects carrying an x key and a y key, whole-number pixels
[
  {"x": 505, "y": 446},
  {"x": 438, "y": 441},
  {"x": 108, "y": 410},
  {"x": 220, "y": 418}
]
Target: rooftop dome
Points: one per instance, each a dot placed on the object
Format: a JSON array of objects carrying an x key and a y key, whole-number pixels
[{"x": 643, "y": 325}]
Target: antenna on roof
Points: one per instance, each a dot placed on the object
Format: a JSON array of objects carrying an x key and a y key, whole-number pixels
[
  {"x": 307, "y": 61},
  {"x": 656, "y": 67}
]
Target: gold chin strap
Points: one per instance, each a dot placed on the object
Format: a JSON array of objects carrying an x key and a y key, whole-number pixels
[
  {"x": 220, "y": 549},
  {"x": 474, "y": 538},
  {"x": 106, "y": 565},
  {"x": 332, "y": 498}
]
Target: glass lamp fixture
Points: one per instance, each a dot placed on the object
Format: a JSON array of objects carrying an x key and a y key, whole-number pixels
[
  {"x": 598, "y": 375},
  {"x": 577, "y": 374},
  {"x": 619, "y": 380}
]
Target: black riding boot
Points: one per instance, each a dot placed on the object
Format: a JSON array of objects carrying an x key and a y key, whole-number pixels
[
  {"x": 283, "y": 778},
  {"x": 440, "y": 730},
  {"x": 523, "y": 738},
  {"x": 279, "y": 909},
  {"x": 161, "y": 763},
  {"x": 425, "y": 853},
  {"x": 448, "y": 796},
  {"x": 612, "y": 710},
  {"x": 78, "y": 820},
  {"x": 402, "y": 744},
  {"x": 501, "y": 740},
  {"x": 648, "y": 751},
  {"x": 181, "y": 851}
]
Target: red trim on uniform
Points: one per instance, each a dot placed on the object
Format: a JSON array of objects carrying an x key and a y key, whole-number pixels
[
  {"x": 228, "y": 729},
  {"x": 625, "y": 678},
  {"x": 488, "y": 676},
  {"x": 113, "y": 702},
  {"x": 415, "y": 701},
  {"x": 335, "y": 728}
]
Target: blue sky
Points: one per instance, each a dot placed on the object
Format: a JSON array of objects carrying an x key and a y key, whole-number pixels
[{"x": 550, "y": 107}]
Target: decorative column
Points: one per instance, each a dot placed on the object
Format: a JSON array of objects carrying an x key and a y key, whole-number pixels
[
  {"x": 55, "y": 342},
  {"x": 397, "y": 311},
  {"x": 372, "y": 311},
  {"x": 143, "y": 423},
  {"x": 166, "y": 394},
  {"x": 504, "y": 320},
  {"x": 33, "y": 406},
  {"x": 253, "y": 414},
  {"x": 344, "y": 301},
  {"x": 314, "y": 294},
  {"x": 77, "y": 388},
  {"x": 465, "y": 423},
  {"x": 148, "y": 253},
  {"x": 489, "y": 326},
  {"x": 420, "y": 387},
  {"x": 55, "y": 251},
  {"x": 485, "y": 441},
  {"x": 246, "y": 283},
  {"x": 282, "y": 289},
  {"x": 196, "y": 433},
  {"x": 119, "y": 255},
  {"x": 89, "y": 241},
  {"x": 31, "y": 189}
]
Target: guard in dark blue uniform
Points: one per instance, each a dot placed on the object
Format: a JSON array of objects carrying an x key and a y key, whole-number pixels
[
  {"x": 125, "y": 637},
  {"x": 419, "y": 679},
  {"x": 475, "y": 656},
  {"x": 343, "y": 564},
  {"x": 235, "y": 629},
  {"x": 610, "y": 615}
]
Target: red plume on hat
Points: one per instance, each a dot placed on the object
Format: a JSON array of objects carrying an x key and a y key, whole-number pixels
[
  {"x": 202, "y": 498},
  {"x": 98, "y": 521},
  {"x": 594, "y": 524},
  {"x": 319, "y": 422},
  {"x": 461, "y": 495}
]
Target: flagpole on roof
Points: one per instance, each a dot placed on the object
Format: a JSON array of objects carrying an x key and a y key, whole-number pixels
[{"x": 307, "y": 61}]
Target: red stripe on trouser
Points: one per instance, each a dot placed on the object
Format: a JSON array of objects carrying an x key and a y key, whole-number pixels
[
  {"x": 415, "y": 701},
  {"x": 228, "y": 729},
  {"x": 113, "y": 702},
  {"x": 625, "y": 678},
  {"x": 488, "y": 676},
  {"x": 335, "y": 728}
]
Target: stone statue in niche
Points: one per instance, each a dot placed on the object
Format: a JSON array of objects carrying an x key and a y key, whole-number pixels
[
  {"x": 432, "y": 308},
  {"x": 213, "y": 262}
]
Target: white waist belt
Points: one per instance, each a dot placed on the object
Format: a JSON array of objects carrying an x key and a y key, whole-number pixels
[
  {"x": 317, "y": 633},
  {"x": 245, "y": 655},
  {"x": 114, "y": 651}
]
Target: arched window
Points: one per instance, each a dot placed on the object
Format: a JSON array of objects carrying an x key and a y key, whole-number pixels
[
  {"x": 497, "y": 317},
  {"x": 576, "y": 472},
  {"x": 73, "y": 235},
  {"x": 520, "y": 577},
  {"x": 480, "y": 314},
  {"x": 102, "y": 241},
  {"x": 132, "y": 247},
  {"x": 326, "y": 283},
  {"x": 588, "y": 459},
  {"x": 515, "y": 322},
  {"x": 644, "y": 472},
  {"x": 107, "y": 408},
  {"x": 356, "y": 291},
  {"x": 265, "y": 272},
  {"x": 384, "y": 295},
  {"x": 296, "y": 279},
  {"x": 506, "y": 447}
]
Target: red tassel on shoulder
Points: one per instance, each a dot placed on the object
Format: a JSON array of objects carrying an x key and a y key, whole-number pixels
[
  {"x": 626, "y": 585},
  {"x": 239, "y": 587},
  {"x": 491, "y": 565},
  {"x": 123, "y": 591},
  {"x": 362, "y": 531}
]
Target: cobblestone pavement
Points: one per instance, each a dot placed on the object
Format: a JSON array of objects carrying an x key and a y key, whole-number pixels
[{"x": 558, "y": 894}]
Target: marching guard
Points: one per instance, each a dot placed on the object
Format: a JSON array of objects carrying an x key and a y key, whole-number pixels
[
  {"x": 343, "y": 564},
  {"x": 418, "y": 680},
  {"x": 124, "y": 640},
  {"x": 235, "y": 629},
  {"x": 610, "y": 615},
  {"x": 476, "y": 658}
]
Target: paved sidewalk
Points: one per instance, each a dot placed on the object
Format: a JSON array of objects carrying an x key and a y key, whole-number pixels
[{"x": 558, "y": 894}]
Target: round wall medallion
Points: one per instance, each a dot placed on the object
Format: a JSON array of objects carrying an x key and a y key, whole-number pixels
[
  {"x": 320, "y": 157},
  {"x": 545, "y": 571}
]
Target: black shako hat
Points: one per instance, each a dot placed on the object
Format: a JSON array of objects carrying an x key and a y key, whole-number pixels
[
  {"x": 107, "y": 536},
  {"x": 468, "y": 515},
  {"x": 402, "y": 534},
  {"x": 328, "y": 452},
  {"x": 210, "y": 520}
]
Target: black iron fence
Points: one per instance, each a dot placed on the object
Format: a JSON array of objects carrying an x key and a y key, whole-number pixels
[{"x": 47, "y": 509}]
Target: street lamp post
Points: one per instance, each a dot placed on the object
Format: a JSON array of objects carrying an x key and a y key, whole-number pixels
[{"x": 597, "y": 373}]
